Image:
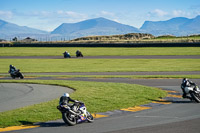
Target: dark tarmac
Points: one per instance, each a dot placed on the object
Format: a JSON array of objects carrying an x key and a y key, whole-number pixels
[
  {"x": 108, "y": 57},
  {"x": 17, "y": 95}
]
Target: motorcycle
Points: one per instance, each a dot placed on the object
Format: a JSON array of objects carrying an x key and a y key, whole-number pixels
[
  {"x": 74, "y": 114},
  {"x": 79, "y": 54},
  {"x": 17, "y": 74},
  {"x": 193, "y": 90},
  {"x": 66, "y": 55}
]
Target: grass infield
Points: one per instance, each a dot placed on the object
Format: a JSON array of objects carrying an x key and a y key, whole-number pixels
[
  {"x": 100, "y": 51},
  {"x": 100, "y": 65}
]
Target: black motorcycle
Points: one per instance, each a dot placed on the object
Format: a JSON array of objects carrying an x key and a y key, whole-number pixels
[
  {"x": 17, "y": 74},
  {"x": 79, "y": 54},
  {"x": 66, "y": 55},
  {"x": 76, "y": 113}
]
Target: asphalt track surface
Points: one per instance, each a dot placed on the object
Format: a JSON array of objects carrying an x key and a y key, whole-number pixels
[
  {"x": 108, "y": 57},
  {"x": 16, "y": 95},
  {"x": 181, "y": 116}
]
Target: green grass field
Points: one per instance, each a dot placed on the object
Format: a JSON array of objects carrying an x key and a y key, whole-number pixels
[
  {"x": 57, "y": 51},
  {"x": 100, "y": 65}
]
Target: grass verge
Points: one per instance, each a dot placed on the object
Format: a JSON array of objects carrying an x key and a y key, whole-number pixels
[
  {"x": 100, "y": 65},
  {"x": 98, "y": 96},
  {"x": 100, "y": 51}
]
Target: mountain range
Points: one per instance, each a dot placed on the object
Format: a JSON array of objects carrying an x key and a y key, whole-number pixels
[
  {"x": 10, "y": 29},
  {"x": 179, "y": 26},
  {"x": 98, "y": 26}
]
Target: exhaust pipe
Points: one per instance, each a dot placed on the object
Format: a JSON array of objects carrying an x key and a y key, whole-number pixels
[{"x": 74, "y": 113}]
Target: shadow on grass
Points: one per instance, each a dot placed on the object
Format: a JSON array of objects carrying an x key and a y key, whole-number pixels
[{"x": 26, "y": 123}]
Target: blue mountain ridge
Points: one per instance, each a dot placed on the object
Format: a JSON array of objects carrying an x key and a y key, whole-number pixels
[
  {"x": 97, "y": 26},
  {"x": 8, "y": 29},
  {"x": 179, "y": 26}
]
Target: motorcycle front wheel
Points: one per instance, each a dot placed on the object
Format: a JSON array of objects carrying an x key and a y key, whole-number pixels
[
  {"x": 69, "y": 119},
  {"x": 195, "y": 96},
  {"x": 90, "y": 118}
]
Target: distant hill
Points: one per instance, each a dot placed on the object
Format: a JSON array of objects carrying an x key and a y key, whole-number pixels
[
  {"x": 115, "y": 38},
  {"x": 98, "y": 26},
  {"x": 10, "y": 30},
  {"x": 179, "y": 26}
]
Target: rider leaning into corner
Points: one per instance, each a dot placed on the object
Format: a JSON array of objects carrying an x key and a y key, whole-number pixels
[
  {"x": 12, "y": 69},
  {"x": 186, "y": 83},
  {"x": 65, "y": 99}
]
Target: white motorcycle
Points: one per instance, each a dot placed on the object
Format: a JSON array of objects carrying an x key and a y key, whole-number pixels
[
  {"x": 191, "y": 88},
  {"x": 76, "y": 115}
]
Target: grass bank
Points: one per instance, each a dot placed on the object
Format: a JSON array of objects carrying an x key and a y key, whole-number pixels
[
  {"x": 100, "y": 51},
  {"x": 100, "y": 65},
  {"x": 99, "y": 97}
]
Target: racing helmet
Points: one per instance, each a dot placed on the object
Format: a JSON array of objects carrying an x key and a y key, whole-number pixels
[
  {"x": 66, "y": 94},
  {"x": 184, "y": 80}
]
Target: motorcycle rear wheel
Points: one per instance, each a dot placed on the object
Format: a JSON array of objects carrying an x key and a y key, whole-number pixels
[
  {"x": 68, "y": 119},
  {"x": 195, "y": 96}
]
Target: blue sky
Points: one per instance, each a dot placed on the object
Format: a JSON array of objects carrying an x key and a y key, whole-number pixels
[{"x": 48, "y": 14}]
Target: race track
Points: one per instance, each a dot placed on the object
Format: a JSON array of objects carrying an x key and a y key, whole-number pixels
[
  {"x": 163, "y": 118},
  {"x": 180, "y": 115},
  {"x": 108, "y": 57},
  {"x": 16, "y": 95}
]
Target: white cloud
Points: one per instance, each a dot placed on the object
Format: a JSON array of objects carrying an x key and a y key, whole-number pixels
[
  {"x": 194, "y": 7},
  {"x": 6, "y": 14},
  {"x": 70, "y": 14},
  {"x": 105, "y": 13},
  {"x": 60, "y": 12},
  {"x": 158, "y": 13},
  {"x": 180, "y": 13}
]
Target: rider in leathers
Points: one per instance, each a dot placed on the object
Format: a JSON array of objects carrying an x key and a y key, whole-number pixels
[
  {"x": 12, "y": 69},
  {"x": 64, "y": 100},
  {"x": 186, "y": 83}
]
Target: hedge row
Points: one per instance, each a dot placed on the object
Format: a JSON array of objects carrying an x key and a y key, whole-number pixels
[{"x": 188, "y": 44}]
